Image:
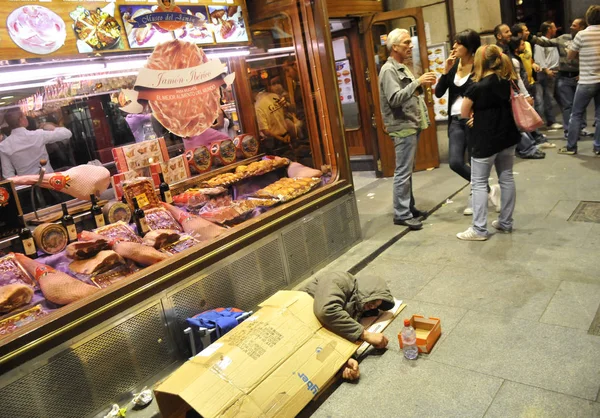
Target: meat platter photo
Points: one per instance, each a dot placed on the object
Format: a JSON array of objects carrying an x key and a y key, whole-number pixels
[
  {"x": 229, "y": 24},
  {"x": 200, "y": 33},
  {"x": 36, "y": 29}
]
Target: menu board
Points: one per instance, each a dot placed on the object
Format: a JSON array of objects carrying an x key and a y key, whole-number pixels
[
  {"x": 437, "y": 55},
  {"x": 344, "y": 79},
  {"x": 71, "y": 27}
]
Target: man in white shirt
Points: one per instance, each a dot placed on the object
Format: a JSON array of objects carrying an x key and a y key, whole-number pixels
[
  {"x": 548, "y": 59},
  {"x": 586, "y": 46},
  {"x": 22, "y": 150}
]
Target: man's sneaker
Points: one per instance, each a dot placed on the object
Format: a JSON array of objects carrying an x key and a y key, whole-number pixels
[
  {"x": 494, "y": 196},
  {"x": 546, "y": 144},
  {"x": 468, "y": 211},
  {"x": 471, "y": 235},
  {"x": 555, "y": 125},
  {"x": 567, "y": 151},
  {"x": 597, "y": 151},
  {"x": 412, "y": 223},
  {"x": 585, "y": 132},
  {"x": 496, "y": 225}
]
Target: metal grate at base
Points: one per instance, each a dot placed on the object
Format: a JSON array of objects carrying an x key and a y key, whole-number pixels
[{"x": 586, "y": 212}]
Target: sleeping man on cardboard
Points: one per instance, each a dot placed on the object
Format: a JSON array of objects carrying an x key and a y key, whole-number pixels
[{"x": 341, "y": 300}]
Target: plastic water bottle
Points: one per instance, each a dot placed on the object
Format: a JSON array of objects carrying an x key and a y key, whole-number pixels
[{"x": 409, "y": 341}]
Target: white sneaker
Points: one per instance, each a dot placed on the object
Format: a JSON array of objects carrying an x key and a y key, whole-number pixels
[
  {"x": 496, "y": 225},
  {"x": 471, "y": 235},
  {"x": 555, "y": 125},
  {"x": 546, "y": 145},
  {"x": 468, "y": 211},
  {"x": 494, "y": 196}
]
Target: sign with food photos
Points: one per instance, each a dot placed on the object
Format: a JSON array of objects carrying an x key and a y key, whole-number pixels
[
  {"x": 437, "y": 55},
  {"x": 54, "y": 28}
]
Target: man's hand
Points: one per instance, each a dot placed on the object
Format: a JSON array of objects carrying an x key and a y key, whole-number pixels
[
  {"x": 351, "y": 371},
  {"x": 470, "y": 122},
  {"x": 376, "y": 339},
  {"x": 48, "y": 126},
  {"x": 536, "y": 68},
  {"x": 549, "y": 73},
  {"x": 427, "y": 78},
  {"x": 529, "y": 100}
]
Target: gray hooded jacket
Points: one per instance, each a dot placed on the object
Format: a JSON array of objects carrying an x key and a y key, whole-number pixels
[{"x": 340, "y": 299}]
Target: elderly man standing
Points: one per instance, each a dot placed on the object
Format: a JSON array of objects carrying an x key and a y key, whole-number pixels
[
  {"x": 585, "y": 45},
  {"x": 22, "y": 150},
  {"x": 404, "y": 115}
]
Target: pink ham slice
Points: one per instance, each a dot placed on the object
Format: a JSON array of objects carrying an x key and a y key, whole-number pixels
[
  {"x": 183, "y": 117},
  {"x": 195, "y": 226},
  {"x": 57, "y": 287},
  {"x": 79, "y": 182}
]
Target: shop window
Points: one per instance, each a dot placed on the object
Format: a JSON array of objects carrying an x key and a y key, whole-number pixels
[{"x": 346, "y": 83}]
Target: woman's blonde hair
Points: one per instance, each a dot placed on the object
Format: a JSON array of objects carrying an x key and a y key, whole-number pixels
[{"x": 491, "y": 58}]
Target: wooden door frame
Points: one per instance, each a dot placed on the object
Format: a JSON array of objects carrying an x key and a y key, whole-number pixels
[{"x": 386, "y": 156}]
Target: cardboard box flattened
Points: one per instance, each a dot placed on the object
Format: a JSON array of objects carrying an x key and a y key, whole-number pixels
[
  {"x": 289, "y": 388},
  {"x": 221, "y": 376}
]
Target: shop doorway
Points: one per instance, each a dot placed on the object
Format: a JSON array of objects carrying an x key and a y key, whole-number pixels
[
  {"x": 374, "y": 29},
  {"x": 353, "y": 89}
]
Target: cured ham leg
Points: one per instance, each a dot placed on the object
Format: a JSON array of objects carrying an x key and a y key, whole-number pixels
[
  {"x": 57, "y": 287},
  {"x": 160, "y": 238},
  {"x": 79, "y": 182},
  {"x": 195, "y": 226},
  {"x": 101, "y": 262},
  {"x": 140, "y": 253}
]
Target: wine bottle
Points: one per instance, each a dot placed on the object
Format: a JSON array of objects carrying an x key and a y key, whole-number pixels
[
  {"x": 29, "y": 248},
  {"x": 165, "y": 190},
  {"x": 69, "y": 223},
  {"x": 140, "y": 218},
  {"x": 97, "y": 212}
]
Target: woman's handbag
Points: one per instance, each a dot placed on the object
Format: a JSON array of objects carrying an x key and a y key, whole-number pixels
[{"x": 526, "y": 118}]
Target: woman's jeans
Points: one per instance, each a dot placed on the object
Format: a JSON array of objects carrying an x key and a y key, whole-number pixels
[
  {"x": 458, "y": 139},
  {"x": 480, "y": 172}
]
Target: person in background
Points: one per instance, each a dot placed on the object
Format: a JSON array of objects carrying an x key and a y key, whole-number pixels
[
  {"x": 404, "y": 115},
  {"x": 270, "y": 114},
  {"x": 456, "y": 79},
  {"x": 526, "y": 148},
  {"x": 547, "y": 58},
  {"x": 585, "y": 45},
  {"x": 340, "y": 300},
  {"x": 502, "y": 34},
  {"x": 22, "y": 150},
  {"x": 568, "y": 74},
  {"x": 531, "y": 69},
  {"x": 495, "y": 135}
]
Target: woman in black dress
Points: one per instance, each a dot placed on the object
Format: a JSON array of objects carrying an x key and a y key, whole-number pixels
[{"x": 493, "y": 138}]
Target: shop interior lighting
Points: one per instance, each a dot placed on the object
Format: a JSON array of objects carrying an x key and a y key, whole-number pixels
[
  {"x": 26, "y": 86},
  {"x": 101, "y": 76},
  {"x": 47, "y": 72},
  {"x": 228, "y": 54},
  {"x": 281, "y": 49},
  {"x": 6, "y": 97}
]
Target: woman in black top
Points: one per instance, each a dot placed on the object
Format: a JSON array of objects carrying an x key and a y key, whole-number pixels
[
  {"x": 456, "y": 79},
  {"x": 492, "y": 139}
]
